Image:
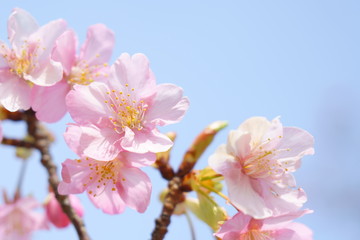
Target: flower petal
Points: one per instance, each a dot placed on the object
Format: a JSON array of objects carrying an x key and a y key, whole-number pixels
[
  {"x": 244, "y": 196},
  {"x": 134, "y": 71},
  {"x": 235, "y": 225},
  {"x": 221, "y": 161},
  {"x": 86, "y": 103},
  {"x": 65, "y": 50},
  {"x": 98, "y": 45},
  {"x": 20, "y": 26},
  {"x": 99, "y": 143},
  {"x": 145, "y": 140},
  {"x": 49, "y": 102},
  {"x": 135, "y": 189},
  {"x": 15, "y": 94},
  {"x": 47, "y": 35},
  {"x": 137, "y": 159},
  {"x": 109, "y": 201},
  {"x": 293, "y": 231},
  {"x": 169, "y": 105},
  {"x": 73, "y": 175}
]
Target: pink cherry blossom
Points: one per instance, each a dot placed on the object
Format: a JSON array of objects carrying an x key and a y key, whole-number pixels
[
  {"x": 124, "y": 114},
  {"x": 243, "y": 227},
  {"x": 89, "y": 66},
  {"x": 28, "y": 62},
  {"x": 257, "y": 162},
  {"x": 111, "y": 185},
  {"x": 18, "y": 219},
  {"x": 56, "y": 215}
]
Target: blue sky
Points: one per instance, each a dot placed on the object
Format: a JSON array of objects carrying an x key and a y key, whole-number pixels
[{"x": 235, "y": 60}]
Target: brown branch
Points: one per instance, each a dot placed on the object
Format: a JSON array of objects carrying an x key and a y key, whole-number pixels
[
  {"x": 176, "y": 187},
  {"x": 42, "y": 140},
  {"x": 18, "y": 143}
]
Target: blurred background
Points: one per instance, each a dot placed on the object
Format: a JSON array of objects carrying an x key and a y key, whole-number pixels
[{"x": 235, "y": 60}]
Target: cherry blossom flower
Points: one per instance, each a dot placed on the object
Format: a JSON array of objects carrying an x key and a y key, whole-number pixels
[
  {"x": 89, "y": 66},
  {"x": 56, "y": 215},
  {"x": 257, "y": 162},
  {"x": 18, "y": 219},
  {"x": 244, "y": 227},
  {"x": 111, "y": 185},
  {"x": 28, "y": 62},
  {"x": 124, "y": 114}
]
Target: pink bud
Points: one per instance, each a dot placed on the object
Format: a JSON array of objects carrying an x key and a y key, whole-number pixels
[{"x": 56, "y": 215}]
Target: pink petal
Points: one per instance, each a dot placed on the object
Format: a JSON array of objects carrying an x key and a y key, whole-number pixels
[
  {"x": 237, "y": 224},
  {"x": 298, "y": 142},
  {"x": 221, "y": 161},
  {"x": 65, "y": 50},
  {"x": 258, "y": 127},
  {"x": 15, "y": 94},
  {"x": 136, "y": 159},
  {"x": 282, "y": 199},
  {"x": 20, "y": 26},
  {"x": 47, "y": 75},
  {"x": 294, "y": 231},
  {"x": 47, "y": 35},
  {"x": 99, "y": 143},
  {"x": 109, "y": 201},
  {"x": 286, "y": 218},
  {"x": 169, "y": 105},
  {"x": 72, "y": 138},
  {"x": 49, "y": 102},
  {"x": 98, "y": 45},
  {"x": 243, "y": 195},
  {"x": 86, "y": 103},
  {"x": 74, "y": 175},
  {"x": 238, "y": 144},
  {"x": 135, "y": 188},
  {"x": 135, "y": 72},
  {"x": 145, "y": 140}
]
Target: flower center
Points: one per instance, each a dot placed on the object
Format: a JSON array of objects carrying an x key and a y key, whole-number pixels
[
  {"x": 102, "y": 175},
  {"x": 255, "y": 234},
  {"x": 263, "y": 163},
  {"x": 15, "y": 224},
  {"x": 126, "y": 110},
  {"x": 23, "y": 63},
  {"x": 84, "y": 74}
]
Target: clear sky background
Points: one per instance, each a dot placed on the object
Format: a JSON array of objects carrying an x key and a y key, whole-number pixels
[{"x": 234, "y": 59}]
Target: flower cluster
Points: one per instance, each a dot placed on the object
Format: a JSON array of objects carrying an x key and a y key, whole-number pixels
[
  {"x": 257, "y": 163},
  {"x": 117, "y": 109}
]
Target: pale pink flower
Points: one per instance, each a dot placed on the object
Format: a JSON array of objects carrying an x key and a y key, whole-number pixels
[
  {"x": 89, "y": 66},
  {"x": 111, "y": 185},
  {"x": 243, "y": 227},
  {"x": 18, "y": 220},
  {"x": 55, "y": 213},
  {"x": 124, "y": 114},
  {"x": 257, "y": 162},
  {"x": 28, "y": 62}
]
